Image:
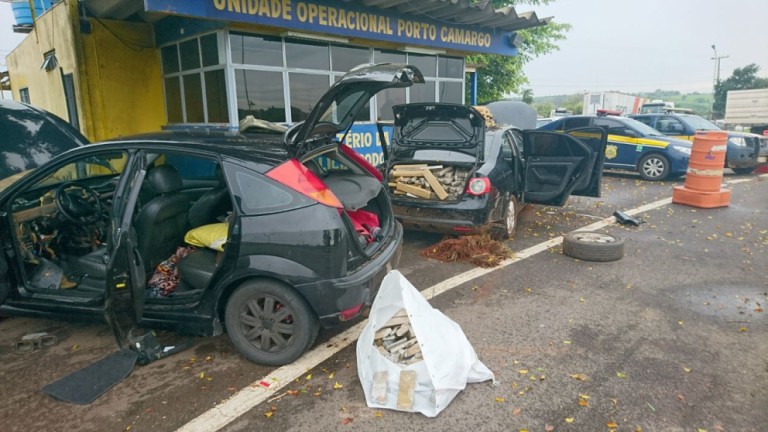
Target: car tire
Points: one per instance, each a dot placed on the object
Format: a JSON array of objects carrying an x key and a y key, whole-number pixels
[
  {"x": 505, "y": 228},
  {"x": 653, "y": 167},
  {"x": 251, "y": 315},
  {"x": 744, "y": 170},
  {"x": 593, "y": 246}
]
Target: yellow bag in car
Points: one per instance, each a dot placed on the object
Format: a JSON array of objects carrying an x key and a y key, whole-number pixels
[{"x": 212, "y": 236}]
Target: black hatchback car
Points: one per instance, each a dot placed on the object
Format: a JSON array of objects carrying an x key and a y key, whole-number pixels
[
  {"x": 448, "y": 173},
  {"x": 284, "y": 245}
]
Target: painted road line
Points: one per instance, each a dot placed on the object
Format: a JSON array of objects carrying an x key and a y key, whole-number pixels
[{"x": 255, "y": 394}]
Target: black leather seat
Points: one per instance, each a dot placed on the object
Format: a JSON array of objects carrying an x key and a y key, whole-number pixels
[
  {"x": 197, "y": 268},
  {"x": 162, "y": 222},
  {"x": 213, "y": 204}
]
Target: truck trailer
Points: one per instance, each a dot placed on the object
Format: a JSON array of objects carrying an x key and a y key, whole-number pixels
[
  {"x": 612, "y": 101},
  {"x": 748, "y": 108}
]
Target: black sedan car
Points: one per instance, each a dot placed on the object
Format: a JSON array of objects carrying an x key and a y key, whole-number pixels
[
  {"x": 448, "y": 173},
  {"x": 283, "y": 245}
]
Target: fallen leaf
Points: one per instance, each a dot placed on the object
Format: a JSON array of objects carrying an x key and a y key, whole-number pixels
[
  {"x": 202, "y": 375},
  {"x": 517, "y": 411},
  {"x": 638, "y": 429},
  {"x": 758, "y": 309},
  {"x": 687, "y": 369},
  {"x": 75, "y": 346},
  {"x": 742, "y": 329},
  {"x": 346, "y": 420},
  {"x": 701, "y": 430},
  {"x": 293, "y": 392},
  {"x": 681, "y": 322},
  {"x": 523, "y": 371},
  {"x": 378, "y": 414},
  {"x": 612, "y": 425},
  {"x": 580, "y": 377},
  {"x": 621, "y": 375},
  {"x": 582, "y": 300},
  {"x": 522, "y": 430},
  {"x": 331, "y": 375},
  {"x": 680, "y": 397},
  {"x": 337, "y": 386},
  {"x": 308, "y": 377},
  {"x": 569, "y": 420},
  {"x": 268, "y": 414},
  {"x": 567, "y": 342},
  {"x": 583, "y": 402},
  {"x": 584, "y": 396},
  {"x": 548, "y": 427}
]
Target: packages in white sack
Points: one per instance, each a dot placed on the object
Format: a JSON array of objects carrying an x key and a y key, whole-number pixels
[{"x": 447, "y": 361}]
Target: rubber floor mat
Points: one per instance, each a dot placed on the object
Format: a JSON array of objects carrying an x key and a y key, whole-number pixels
[{"x": 87, "y": 384}]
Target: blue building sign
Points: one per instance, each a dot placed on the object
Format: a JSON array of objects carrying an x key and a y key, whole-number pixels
[
  {"x": 344, "y": 19},
  {"x": 364, "y": 139}
]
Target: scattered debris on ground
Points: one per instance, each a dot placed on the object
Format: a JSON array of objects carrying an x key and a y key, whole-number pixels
[{"x": 480, "y": 250}]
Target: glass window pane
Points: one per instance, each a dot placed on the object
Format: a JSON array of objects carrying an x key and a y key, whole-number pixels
[
  {"x": 450, "y": 67},
  {"x": 386, "y": 100},
  {"x": 256, "y": 50},
  {"x": 306, "y": 90},
  {"x": 170, "y": 56},
  {"x": 423, "y": 92},
  {"x": 365, "y": 111},
  {"x": 345, "y": 58},
  {"x": 193, "y": 98},
  {"x": 216, "y": 96},
  {"x": 209, "y": 45},
  {"x": 306, "y": 55},
  {"x": 190, "y": 55},
  {"x": 451, "y": 92},
  {"x": 426, "y": 64},
  {"x": 173, "y": 100},
  {"x": 380, "y": 56},
  {"x": 260, "y": 94}
]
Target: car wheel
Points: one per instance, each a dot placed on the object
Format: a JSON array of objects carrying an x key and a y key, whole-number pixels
[
  {"x": 744, "y": 170},
  {"x": 506, "y": 227},
  {"x": 592, "y": 246},
  {"x": 270, "y": 323},
  {"x": 653, "y": 167}
]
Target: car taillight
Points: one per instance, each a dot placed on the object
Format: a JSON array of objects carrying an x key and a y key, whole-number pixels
[
  {"x": 296, "y": 176},
  {"x": 479, "y": 186}
]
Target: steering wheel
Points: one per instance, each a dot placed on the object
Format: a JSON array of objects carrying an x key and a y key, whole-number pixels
[{"x": 79, "y": 204}]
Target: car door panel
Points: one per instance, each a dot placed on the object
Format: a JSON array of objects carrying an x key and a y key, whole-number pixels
[
  {"x": 555, "y": 164},
  {"x": 596, "y": 139}
]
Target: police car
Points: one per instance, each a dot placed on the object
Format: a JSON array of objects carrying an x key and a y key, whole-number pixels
[
  {"x": 742, "y": 154},
  {"x": 633, "y": 146}
]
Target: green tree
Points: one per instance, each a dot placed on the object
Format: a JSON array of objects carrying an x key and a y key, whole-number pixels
[
  {"x": 498, "y": 75},
  {"x": 544, "y": 108},
  {"x": 527, "y": 96},
  {"x": 742, "y": 79}
]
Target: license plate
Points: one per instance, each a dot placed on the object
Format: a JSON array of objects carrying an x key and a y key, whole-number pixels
[{"x": 762, "y": 159}]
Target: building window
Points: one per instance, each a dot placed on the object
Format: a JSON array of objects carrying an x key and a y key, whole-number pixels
[
  {"x": 69, "y": 95},
  {"x": 281, "y": 79},
  {"x": 195, "y": 83},
  {"x": 24, "y": 95}
]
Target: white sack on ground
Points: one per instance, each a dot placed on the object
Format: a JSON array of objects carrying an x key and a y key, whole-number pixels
[{"x": 449, "y": 360}]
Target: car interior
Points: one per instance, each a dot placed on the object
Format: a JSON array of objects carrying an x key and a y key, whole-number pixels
[{"x": 62, "y": 224}]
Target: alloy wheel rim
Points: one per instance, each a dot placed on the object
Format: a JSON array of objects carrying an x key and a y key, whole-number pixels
[
  {"x": 595, "y": 238},
  {"x": 267, "y": 323},
  {"x": 653, "y": 167}
]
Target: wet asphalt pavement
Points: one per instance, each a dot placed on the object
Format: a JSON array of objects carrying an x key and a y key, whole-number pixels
[{"x": 670, "y": 338}]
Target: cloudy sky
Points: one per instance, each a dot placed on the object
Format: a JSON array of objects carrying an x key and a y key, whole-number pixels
[
  {"x": 624, "y": 45},
  {"x": 632, "y": 45}
]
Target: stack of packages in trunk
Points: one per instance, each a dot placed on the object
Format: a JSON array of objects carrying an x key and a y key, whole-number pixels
[{"x": 428, "y": 182}]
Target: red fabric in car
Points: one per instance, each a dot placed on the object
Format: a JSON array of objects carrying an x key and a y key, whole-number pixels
[{"x": 364, "y": 223}]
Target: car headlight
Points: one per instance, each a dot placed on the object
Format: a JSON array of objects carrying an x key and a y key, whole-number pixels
[{"x": 682, "y": 149}]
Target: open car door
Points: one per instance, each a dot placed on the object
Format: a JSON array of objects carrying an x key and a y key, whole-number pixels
[
  {"x": 125, "y": 270},
  {"x": 558, "y": 165}
]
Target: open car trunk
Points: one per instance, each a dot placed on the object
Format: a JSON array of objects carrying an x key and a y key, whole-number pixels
[{"x": 365, "y": 202}]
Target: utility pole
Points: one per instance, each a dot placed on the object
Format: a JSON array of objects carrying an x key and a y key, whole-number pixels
[{"x": 716, "y": 78}]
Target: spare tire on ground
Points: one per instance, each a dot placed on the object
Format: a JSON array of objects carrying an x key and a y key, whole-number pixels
[{"x": 593, "y": 246}]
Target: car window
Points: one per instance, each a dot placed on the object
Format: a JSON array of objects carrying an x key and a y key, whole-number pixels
[
  {"x": 192, "y": 167},
  {"x": 645, "y": 120},
  {"x": 614, "y": 127},
  {"x": 669, "y": 125},
  {"x": 95, "y": 165},
  {"x": 576, "y": 122}
]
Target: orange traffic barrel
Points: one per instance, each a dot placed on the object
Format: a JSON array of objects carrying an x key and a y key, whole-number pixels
[{"x": 704, "y": 177}]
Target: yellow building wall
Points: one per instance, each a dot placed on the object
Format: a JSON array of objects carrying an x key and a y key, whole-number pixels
[
  {"x": 46, "y": 90},
  {"x": 124, "y": 79},
  {"x": 118, "y": 77}
]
